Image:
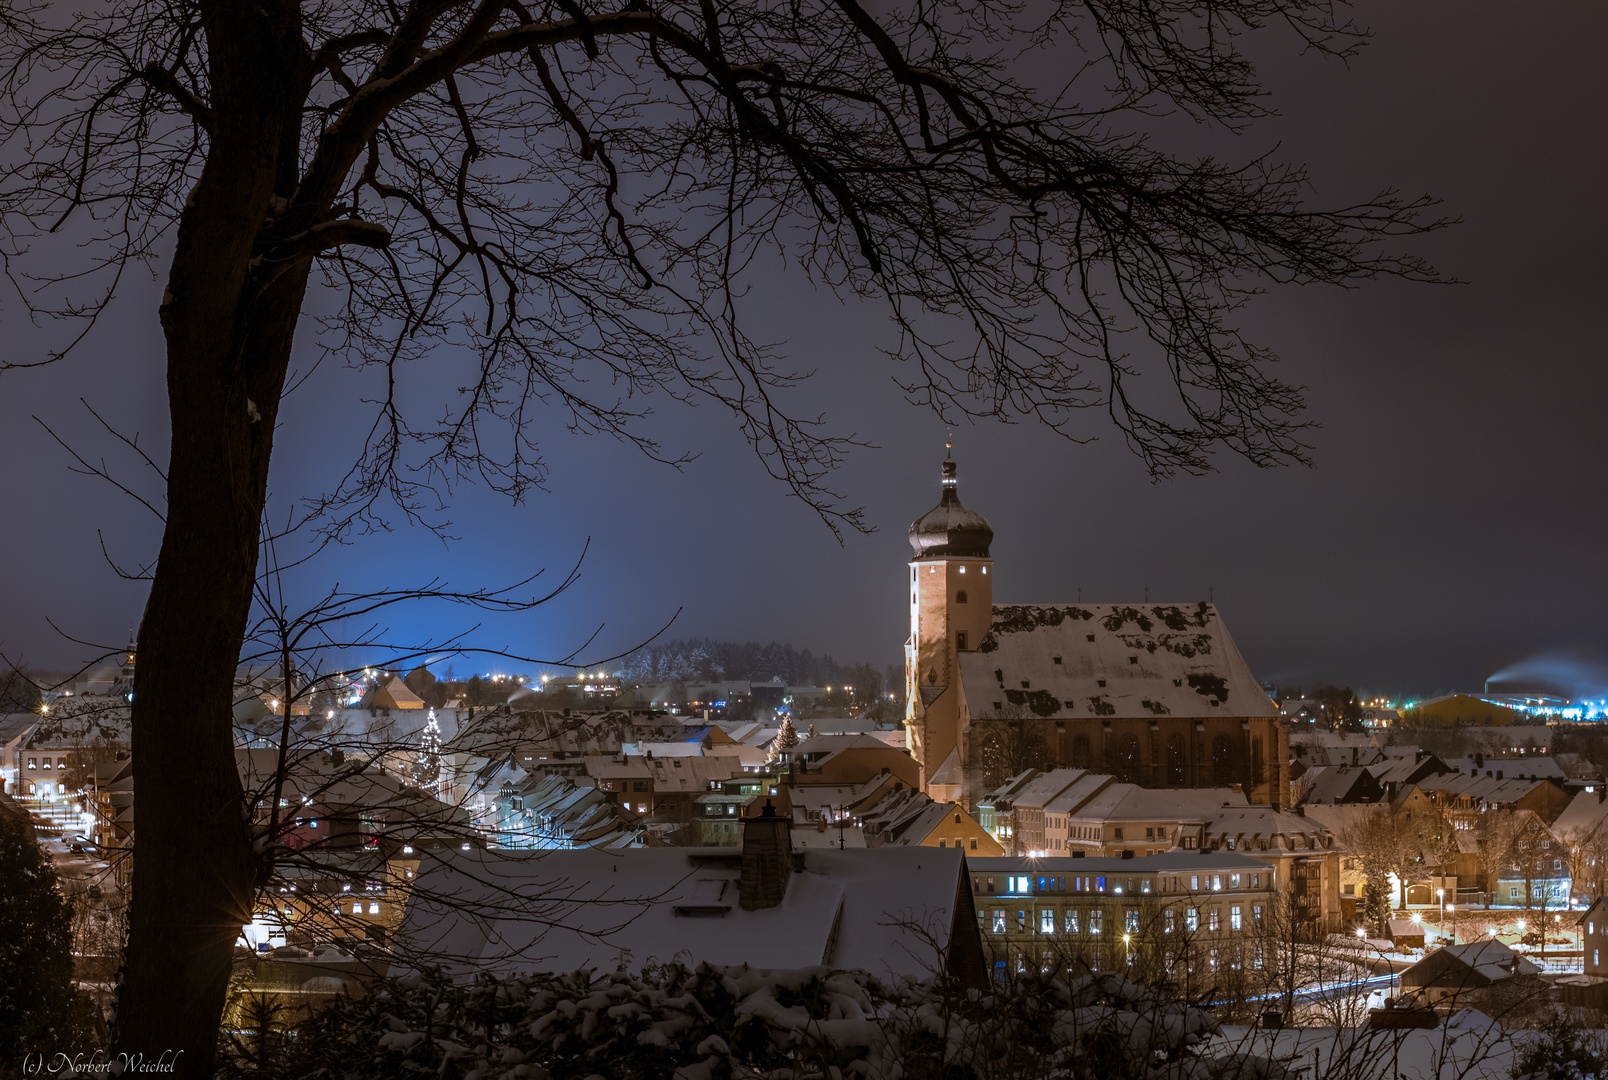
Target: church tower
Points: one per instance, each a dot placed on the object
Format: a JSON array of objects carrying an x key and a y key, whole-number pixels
[{"x": 951, "y": 610}]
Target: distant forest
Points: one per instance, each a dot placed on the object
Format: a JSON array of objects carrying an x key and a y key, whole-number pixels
[{"x": 704, "y": 659}]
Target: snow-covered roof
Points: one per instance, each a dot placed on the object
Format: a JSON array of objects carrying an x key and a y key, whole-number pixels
[
  {"x": 1468, "y": 1045},
  {"x": 1529, "y": 767},
  {"x": 1252, "y": 822},
  {"x": 664, "y": 749},
  {"x": 1586, "y": 813},
  {"x": 483, "y": 911},
  {"x": 1333, "y": 782},
  {"x": 1488, "y": 959},
  {"x": 1130, "y": 802},
  {"x": 1156, "y": 660},
  {"x": 1078, "y": 793}
]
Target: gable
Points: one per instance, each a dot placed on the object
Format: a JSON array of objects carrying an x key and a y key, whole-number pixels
[{"x": 1154, "y": 659}]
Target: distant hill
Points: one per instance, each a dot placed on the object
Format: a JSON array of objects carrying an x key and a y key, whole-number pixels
[{"x": 705, "y": 659}]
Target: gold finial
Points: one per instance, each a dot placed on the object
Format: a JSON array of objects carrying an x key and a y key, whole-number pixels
[{"x": 949, "y": 437}]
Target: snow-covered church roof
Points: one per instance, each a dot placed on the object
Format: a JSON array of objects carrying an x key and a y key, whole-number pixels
[{"x": 1110, "y": 660}]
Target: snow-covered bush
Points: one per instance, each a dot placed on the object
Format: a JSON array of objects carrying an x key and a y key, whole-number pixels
[{"x": 737, "y": 1023}]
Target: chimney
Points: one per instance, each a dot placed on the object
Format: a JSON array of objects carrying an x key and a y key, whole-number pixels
[{"x": 767, "y": 860}]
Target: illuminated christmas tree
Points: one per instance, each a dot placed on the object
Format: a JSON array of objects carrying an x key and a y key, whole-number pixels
[
  {"x": 427, "y": 766},
  {"x": 786, "y": 738}
]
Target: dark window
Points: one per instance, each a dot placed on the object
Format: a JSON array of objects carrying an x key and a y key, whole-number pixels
[
  {"x": 960, "y": 640},
  {"x": 1225, "y": 768},
  {"x": 1091, "y": 637},
  {"x": 960, "y": 597},
  {"x": 1133, "y": 659}
]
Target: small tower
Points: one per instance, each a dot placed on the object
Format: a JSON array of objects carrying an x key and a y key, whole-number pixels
[{"x": 951, "y": 610}]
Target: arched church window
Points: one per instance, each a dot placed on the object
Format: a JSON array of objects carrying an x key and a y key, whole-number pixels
[
  {"x": 1175, "y": 761},
  {"x": 960, "y": 597},
  {"x": 1080, "y": 752},
  {"x": 1225, "y": 770},
  {"x": 1124, "y": 759}
]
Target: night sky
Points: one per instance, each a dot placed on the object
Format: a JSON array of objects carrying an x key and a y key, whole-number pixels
[{"x": 1453, "y": 526}]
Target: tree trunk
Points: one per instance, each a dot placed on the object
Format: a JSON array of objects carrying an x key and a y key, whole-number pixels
[{"x": 195, "y": 873}]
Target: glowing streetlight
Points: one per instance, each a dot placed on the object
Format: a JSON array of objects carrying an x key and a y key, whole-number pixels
[{"x": 1361, "y": 933}]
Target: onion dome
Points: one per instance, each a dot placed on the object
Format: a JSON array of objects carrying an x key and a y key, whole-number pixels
[{"x": 949, "y": 530}]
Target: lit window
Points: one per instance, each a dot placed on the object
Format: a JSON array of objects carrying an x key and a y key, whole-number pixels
[
  {"x": 1167, "y": 921},
  {"x": 374, "y": 909},
  {"x": 1234, "y": 917},
  {"x": 962, "y": 569},
  {"x": 1131, "y": 920},
  {"x": 357, "y": 909},
  {"x": 1212, "y": 919},
  {"x": 1071, "y": 921},
  {"x": 1191, "y": 919},
  {"x": 1046, "y": 921}
]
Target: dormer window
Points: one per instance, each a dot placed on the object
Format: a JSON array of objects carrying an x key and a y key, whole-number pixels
[{"x": 1055, "y": 659}]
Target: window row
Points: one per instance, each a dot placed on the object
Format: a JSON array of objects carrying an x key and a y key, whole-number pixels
[
  {"x": 1023, "y": 884},
  {"x": 1093, "y": 921}
]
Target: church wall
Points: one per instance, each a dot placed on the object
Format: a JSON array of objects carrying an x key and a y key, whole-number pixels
[{"x": 1168, "y": 752}]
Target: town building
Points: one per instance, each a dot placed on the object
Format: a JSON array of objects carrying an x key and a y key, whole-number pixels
[
  {"x": 1153, "y": 693},
  {"x": 1472, "y": 975},
  {"x": 1593, "y": 923},
  {"x": 1099, "y": 914}
]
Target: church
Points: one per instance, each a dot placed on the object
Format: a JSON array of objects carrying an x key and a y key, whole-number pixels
[{"x": 1155, "y": 694}]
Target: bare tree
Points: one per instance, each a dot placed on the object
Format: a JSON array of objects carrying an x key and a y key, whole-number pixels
[
  {"x": 1010, "y": 743},
  {"x": 1498, "y": 833},
  {"x": 1373, "y": 837},
  {"x": 571, "y": 194}
]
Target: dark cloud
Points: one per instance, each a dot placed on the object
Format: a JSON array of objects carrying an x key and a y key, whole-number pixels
[{"x": 1453, "y": 523}]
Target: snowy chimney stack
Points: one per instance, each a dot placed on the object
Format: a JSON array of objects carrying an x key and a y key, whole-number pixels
[{"x": 767, "y": 860}]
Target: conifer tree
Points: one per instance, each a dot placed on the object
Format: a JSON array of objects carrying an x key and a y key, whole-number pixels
[
  {"x": 40, "y": 1010},
  {"x": 427, "y": 766},
  {"x": 786, "y": 738}
]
